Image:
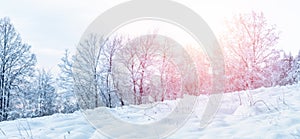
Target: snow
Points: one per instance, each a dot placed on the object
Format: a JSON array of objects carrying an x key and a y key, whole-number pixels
[{"x": 276, "y": 114}]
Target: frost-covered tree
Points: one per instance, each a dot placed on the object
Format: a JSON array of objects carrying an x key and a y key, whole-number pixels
[
  {"x": 65, "y": 80},
  {"x": 203, "y": 69},
  {"x": 285, "y": 65},
  {"x": 145, "y": 51},
  {"x": 112, "y": 45},
  {"x": 152, "y": 68},
  {"x": 45, "y": 94},
  {"x": 250, "y": 43},
  {"x": 87, "y": 68},
  {"x": 135, "y": 66},
  {"x": 168, "y": 74},
  {"x": 24, "y": 103},
  {"x": 95, "y": 83},
  {"x": 271, "y": 73},
  {"x": 16, "y": 65},
  {"x": 295, "y": 70}
]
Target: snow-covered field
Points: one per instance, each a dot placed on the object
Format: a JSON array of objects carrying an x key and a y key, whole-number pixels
[{"x": 276, "y": 114}]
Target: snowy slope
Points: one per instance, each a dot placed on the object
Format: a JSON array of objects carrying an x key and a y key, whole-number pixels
[{"x": 276, "y": 114}]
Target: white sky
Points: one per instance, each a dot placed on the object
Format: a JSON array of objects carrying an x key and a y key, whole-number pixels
[{"x": 51, "y": 26}]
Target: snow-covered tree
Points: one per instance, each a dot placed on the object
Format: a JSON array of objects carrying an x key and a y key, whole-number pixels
[
  {"x": 152, "y": 68},
  {"x": 45, "y": 94},
  {"x": 169, "y": 82},
  {"x": 16, "y": 65},
  {"x": 203, "y": 69},
  {"x": 285, "y": 65},
  {"x": 271, "y": 72},
  {"x": 95, "y": 83},
  {"x": 87, "y": 70},
  {"x": 65, "y": 80},
  {"x": 295, "y": 71},
  {"x": 135, "y": 67},
  {"x": 249, "y": 43},
  {"x": 112, "y": 45}
]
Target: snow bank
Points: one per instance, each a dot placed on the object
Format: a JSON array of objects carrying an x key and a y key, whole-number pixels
[{"x": 274, "y": 115}]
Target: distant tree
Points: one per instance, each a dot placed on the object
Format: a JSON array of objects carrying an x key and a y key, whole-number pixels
[
  {"x": 203, "y": 69},
  {"x": 21, "y": 104},
  {"x": 89, "y": 86},
  {"x": 46, "y": 93},
  {"x": 271, "y": 72},
  {"x": 26, "y": 103},
  {"x": 295, "y": 70},
  {"x": 65, "y": 80},
  {"x": 250, "y": 43},
  {"x": 66, "y": 103},
  {"x": 127, "y": 82},
  {"x": 152, "y": 68},
  {"x": 16, "y": 65},
  {"x": 285, "y": 65},
  {"x": 112, "y": 45},
  {"x": 138, "y": 61},
  {"x": 145, "y": 51}
]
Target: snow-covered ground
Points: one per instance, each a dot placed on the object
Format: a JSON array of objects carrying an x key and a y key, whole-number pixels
[{"x": 276, "y": 114}]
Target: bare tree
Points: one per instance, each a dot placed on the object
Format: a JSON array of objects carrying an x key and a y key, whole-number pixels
[
  {"x": 112, "y": 45},
  {"x": 16, "y": 64},
  {"x": 87, "y": 69},
  {"x": 152, "y": 68},
  {"x": 95, "y": 83},
  {"x": 137, "y": 58},
  {"x": 126, "y": 58},
  {"x": 145, "y": 53}
]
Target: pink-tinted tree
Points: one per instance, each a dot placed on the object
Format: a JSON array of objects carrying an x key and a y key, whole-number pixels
[{"x": 250, "y": 44}]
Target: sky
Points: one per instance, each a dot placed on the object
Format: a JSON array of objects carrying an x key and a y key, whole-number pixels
[{"x": 51, "y": 26}]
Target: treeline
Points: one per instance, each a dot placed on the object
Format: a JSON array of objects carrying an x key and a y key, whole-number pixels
[{"x": 119, "y": 71}]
